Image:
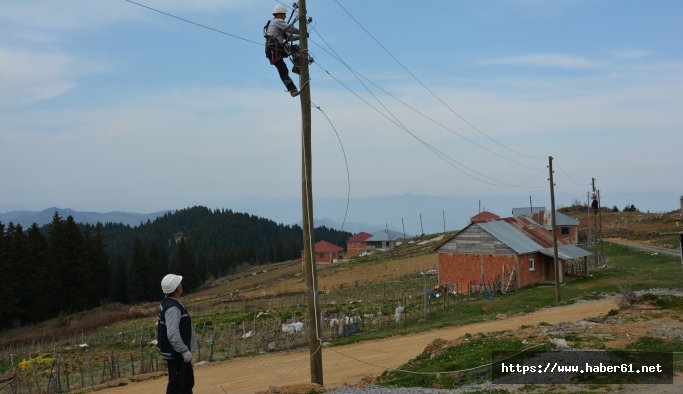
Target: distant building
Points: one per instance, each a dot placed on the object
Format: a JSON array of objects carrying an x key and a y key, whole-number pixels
[
  {"x": 567, "y": 227},
  {"x": 381, "y": 240},
  {"x": 484, "y": 216},
  {"x": 357, "y": 244},
  {"x": 513, "y": 252},
  {"x": 325, "y": 253}
]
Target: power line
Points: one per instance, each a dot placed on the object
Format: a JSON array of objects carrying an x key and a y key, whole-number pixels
[
  {"x": 430, "y": 90},
  {"x": 570, "y": 178},
  {"x": 194, "y": 23},
  {"x": 336, "y": 56},
  {"x": 452, "y": 162},
  {"x": 449, "y": 160},
  {"x": 346, "y": 162},
  {"x": 429, "y": 373}
]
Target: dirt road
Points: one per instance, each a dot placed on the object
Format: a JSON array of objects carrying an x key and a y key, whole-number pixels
[
  {"x": 646, "y": 248},
  {"x": 341, "y": 364}
]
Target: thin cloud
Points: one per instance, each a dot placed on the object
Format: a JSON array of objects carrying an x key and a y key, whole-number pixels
[
  {"x": 556, "y": 60},
  {"x": 28, "y": 76},
  {"x": 629, "y": 54}
]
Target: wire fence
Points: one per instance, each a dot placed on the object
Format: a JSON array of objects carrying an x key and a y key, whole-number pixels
[{"x": 110, "y": 355}]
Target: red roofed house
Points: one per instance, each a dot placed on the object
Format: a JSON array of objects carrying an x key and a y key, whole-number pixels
[
  {"x": 325, "y": 253},
  {"x": 356, "y": 244},
  {"x": 510, "y": 252},
  {"x": 484, "y": 216}
]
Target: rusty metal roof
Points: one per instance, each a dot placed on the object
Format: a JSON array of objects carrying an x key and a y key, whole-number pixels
[{"x": 523, "y": 235}]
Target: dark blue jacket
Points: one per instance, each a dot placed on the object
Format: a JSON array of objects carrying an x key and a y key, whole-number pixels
[{"x": 185, "y": 327}]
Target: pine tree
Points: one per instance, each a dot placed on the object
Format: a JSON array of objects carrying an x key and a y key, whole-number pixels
[
  {"x": 35, "y": 266},
  {"x": 185, "y": 265},
  {"x": 98, "y": 265},
  {"x": 158, "y": 267},
  {"x": 138, "y": 274},
  {"x": 119, "y": 281}
]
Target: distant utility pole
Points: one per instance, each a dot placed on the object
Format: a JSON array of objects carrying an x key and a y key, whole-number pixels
[
  {"x": 421, "y": 228},
  {"x": 531, "y": 207},
  {"x": 552, "y": 210},
  {"x": 444, "y": 220},
  {"x": 314, "y": 343},
  {"x": 404, "y": 228}
]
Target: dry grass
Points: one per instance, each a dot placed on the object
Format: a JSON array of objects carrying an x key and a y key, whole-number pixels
[{"x": 65, "y": 326}]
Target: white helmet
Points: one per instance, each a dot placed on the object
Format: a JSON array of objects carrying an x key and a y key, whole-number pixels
[
  {"x": 170, "y": 283},
  {"x": 279, "y": 9}
]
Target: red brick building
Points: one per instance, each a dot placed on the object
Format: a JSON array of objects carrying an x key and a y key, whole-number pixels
[
  {"x": 325, "y": 253},
  {"x": 357, "y": 244},
  {"x": 512, "y": 252}
]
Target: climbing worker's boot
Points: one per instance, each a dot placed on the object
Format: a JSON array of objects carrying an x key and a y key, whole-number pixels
[{"x": 294, "y": 92}]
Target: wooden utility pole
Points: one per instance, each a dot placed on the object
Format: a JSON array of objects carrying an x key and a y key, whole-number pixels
[
  {"x": 531, "y": 208},
  {"x": 404, "y": 228},
  {"x": 444, "y": 220},
  {"x": 314, "y": 342},
  {"x": 421, "y": 227},
  {"x": 552, "y": 210}
]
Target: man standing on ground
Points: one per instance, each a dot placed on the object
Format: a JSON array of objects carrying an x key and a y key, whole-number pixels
[{"x": 175, "y": 337}]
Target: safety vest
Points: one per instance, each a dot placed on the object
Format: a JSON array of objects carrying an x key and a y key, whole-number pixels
[{"x": 185, "y": 327}]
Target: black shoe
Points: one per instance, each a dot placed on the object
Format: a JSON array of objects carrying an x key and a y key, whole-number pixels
[
  {"x": 296, "y": 69},
  {"x": 294, "y": 92}
]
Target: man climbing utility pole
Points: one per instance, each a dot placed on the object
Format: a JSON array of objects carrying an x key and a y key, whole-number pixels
[{"x": 314, "y": 342}]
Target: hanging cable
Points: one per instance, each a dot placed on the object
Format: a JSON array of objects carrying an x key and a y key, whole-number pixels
[
  {"x": 429, "y": 373},
  {"x": 569, "y": 176},
  {"x": 346, "y": 162},
  {"x": 431, "y": 91},
  {"x": 336, "y": 56},
  {"x": 194, "y": 23},
  {"x": 449, "y": 160}
]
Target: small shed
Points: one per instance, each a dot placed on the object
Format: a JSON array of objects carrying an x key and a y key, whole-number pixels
[{"x": 503, "y": 254}]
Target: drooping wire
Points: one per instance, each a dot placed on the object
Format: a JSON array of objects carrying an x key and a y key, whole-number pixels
[
  {"x": 431, "y": 91},
  {"x": 429, "y": 373},
  {"x": 449, "y": 160},
  {"x": 348, "y": 174},
  {"x": 569, "y": 176},
  {"x": 336, "y": 56},
  {"x": 454, "y": 163},
  {"x": 194, "y": 23}
]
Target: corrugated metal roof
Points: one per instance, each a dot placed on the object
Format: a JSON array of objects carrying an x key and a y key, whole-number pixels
[
  {"x": 564, "y": 220},
  {"x": 380, "y": 236},
  {"x": 566, "y": 252},
  {"x": 523, "y": 236},
  {"x": 484, "y": 216},
  {"x": 510, "y": 235}
]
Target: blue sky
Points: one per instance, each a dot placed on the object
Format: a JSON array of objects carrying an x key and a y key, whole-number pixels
[{"x": 107, "y": 106}]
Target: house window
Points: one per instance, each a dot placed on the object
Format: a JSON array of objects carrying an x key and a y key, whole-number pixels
[
  {"x": 532, "y": 265},
  {"x": 565, "y": 230}
]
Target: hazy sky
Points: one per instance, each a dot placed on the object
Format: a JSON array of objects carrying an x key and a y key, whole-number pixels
[{"x": 107, "y": 106}]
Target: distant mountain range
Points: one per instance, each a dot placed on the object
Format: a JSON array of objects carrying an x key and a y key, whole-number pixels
[{"x": 27, "y": 218}]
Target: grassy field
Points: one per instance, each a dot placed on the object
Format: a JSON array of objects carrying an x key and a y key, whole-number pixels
[{"x": 223, "y": 315}]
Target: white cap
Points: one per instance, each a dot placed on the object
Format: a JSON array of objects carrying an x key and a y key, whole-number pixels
[
  {"x": 170, "y": 283},
  {"x": 279, "y": 9}
]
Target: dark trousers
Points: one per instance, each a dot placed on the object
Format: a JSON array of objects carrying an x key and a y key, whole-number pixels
[
  {"x": 284, "y": 74},
  {"x": 180, "y": 377}
]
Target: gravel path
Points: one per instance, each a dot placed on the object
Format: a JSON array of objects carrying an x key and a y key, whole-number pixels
[{"x": 647, "y": 248}]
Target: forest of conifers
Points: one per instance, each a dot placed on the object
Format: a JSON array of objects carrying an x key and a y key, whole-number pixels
[{"x": 66, "y": 267}]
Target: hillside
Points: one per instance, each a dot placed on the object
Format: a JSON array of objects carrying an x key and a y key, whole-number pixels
[{"x": 645, "y": 227}]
